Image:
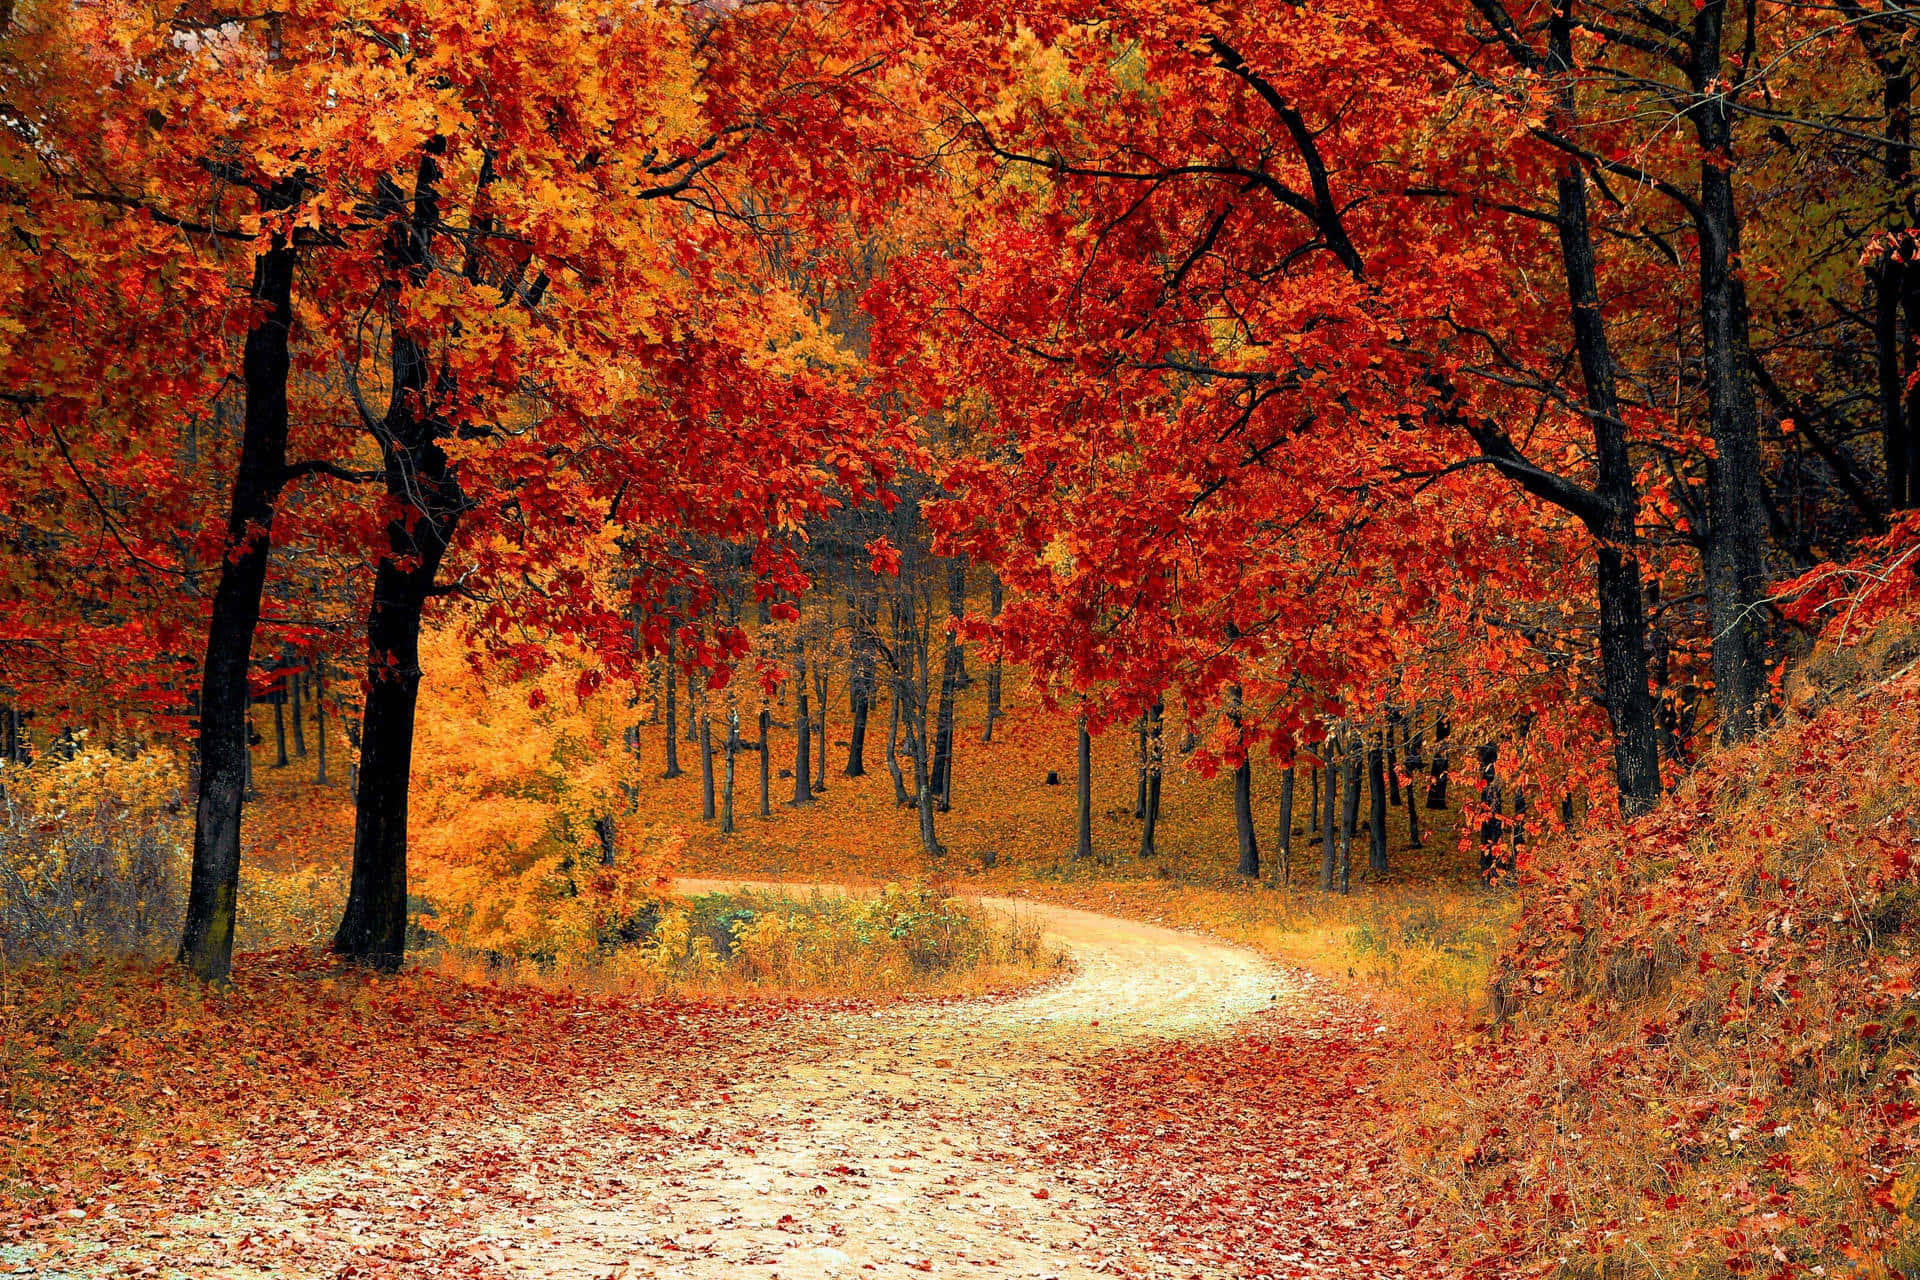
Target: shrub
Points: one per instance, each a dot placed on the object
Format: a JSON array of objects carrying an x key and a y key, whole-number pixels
[{"x": 92, "y": 855}]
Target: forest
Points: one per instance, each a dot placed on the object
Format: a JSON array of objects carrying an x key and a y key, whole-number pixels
[{"x": 1177, "y": 638}]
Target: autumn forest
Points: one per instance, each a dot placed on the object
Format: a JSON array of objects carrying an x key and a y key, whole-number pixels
[{"x": 1175, "y": 638}]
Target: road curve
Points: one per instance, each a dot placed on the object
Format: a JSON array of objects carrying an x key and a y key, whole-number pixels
[{"x": 904, "y": 1141}]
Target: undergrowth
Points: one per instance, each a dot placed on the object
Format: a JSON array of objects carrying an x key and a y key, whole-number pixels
[
  {"x": 1702, "y": 1057},
  {"x": 746, "y": 941}
]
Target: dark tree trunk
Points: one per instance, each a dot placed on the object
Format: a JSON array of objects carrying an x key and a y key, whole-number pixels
[
  {"x": 294, "y": 713},
  {"x": 802, "y": 733},
  {"x": 1249, "y": 860},
  {"x": 1623, "y": 627},
  {"x": 1083, "y": 790},
  {"x": 1889, "y": 287},
  {"x": 1313, "y": 812},
  {"x": 1140, "y": 791},
  {"x": 673, "y": 730},
  {"x": 950, "y": 673},
  {"x": 822, "y": 687},
  {"x": 994, "y": 599},
  {"x": 901, "y": 796},
  {"x": 1283, "y": 844},
  {"x": 706, "y": 763},
  {"x": 425, "y": 493},
  {"x": 603, "y": 827},
  {"x": 1736, "y": 549},
  {"x": 1249, "y": 864},
  {"x": 1437, "y": 779},
  {"x": 206, "y": 941},
  {"x": 1376, "y": 813},
  {"x": 320, "y": 726},
  {"x": 1329, "y": 800},
  {"x": 733, "y": 752},
  {"x": 860, "y": 681},
  {"x": 1349, "y": 812},
  {"x": 280, "y": 760},
  {"x": 1393, "y": 768},
  {"x": 1491, "y": 826},
  {"x": 1150, "y": 808},
  {"x": 766, "y": 764}
]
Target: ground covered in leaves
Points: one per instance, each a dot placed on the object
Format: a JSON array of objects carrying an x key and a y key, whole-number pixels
[{"x": 1174, "y": 1107}]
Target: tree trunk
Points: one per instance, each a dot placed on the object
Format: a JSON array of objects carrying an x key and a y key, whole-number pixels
[
  {"x": 603, "y": 826},
  {"x": 860, "y": 681},
  {"x": 280, "y": 760},
  {"x": 673, "y": 730},
  {"x": 1623, "y": 628},
  {"x": 1329, "y": 798},
  {"x": 1283, "y": 845},
  {"x": 802, "y": 732},
  {"x": 901, "y": 797},
  {"x": 424, "y": 491},
  {"x": 293, "y": 712},
  {"x": 949, "y": 686},
  {"x": 1243, "y": 819},
  {"x": 1140, "y": 791},
  {"x": 206, "y": 941},
  {"x": 320, "y": 726},
  {"x": 1437, "y": 779},
  {"x": 1349, "y": 812},
  {"x": 1736, "y": 550},
  {"x": 706, "y": 763},
  {"x": 994, "y": 600},
  {"x": 822, "y": 687},
  {"x": 1150, "y": 809},
  {"x": 1393, "y": 768},
  {"x": 733, "y": 752},
  {"x": 766, "y": 764},
  {"x": 1376, "y": 812},
  {"x": 1889, "y": 286},
  {"x": 1083, "y": 791}
]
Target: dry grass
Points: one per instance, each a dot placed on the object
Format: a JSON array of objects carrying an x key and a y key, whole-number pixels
[{"x": 751, "y": 942}]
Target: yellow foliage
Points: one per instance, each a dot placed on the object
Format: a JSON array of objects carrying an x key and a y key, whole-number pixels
[{"x": 514, "y": 782}]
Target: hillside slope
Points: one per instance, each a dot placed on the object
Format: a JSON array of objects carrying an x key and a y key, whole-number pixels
[{"x": 1701, "y": 1057}]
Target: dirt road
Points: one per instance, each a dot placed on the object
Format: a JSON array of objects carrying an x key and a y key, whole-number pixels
[{"x": 899, "y": 1142}]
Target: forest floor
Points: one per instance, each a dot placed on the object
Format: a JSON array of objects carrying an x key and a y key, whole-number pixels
[{"x": 1176, "y": 1106}]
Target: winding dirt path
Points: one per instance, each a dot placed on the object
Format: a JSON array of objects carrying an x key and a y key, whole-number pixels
[{"x": 905, "y": 1141}]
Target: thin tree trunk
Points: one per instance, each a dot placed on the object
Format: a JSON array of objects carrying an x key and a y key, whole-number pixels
[
  {"x": 900, "y": 794},
  {"x": 673, "y": 731},
  {"x": 299, "y": 727},
  {"x": 1150, "y": 810},
  {"x": 206, "y": 940},
  {"x": 1243, "y": 819},
  {"x": 1249, "y": 862},
  {"x": 1376, "y": 812},
  {"x": 280, "y": 760},
  {"x": 766, "y": 764},
  {"x": 994, "y": 600},
  {"x": 802, "y": 731},
  {"x": 706, "y": 763},
  {"x": 1140, "y": 791},
  {"x": 860, "y": 681},
  {"x": 1329, "y": 853},
  {"x": 603, "y": 826},
  {"x": 1083, "y": 791},
  {"x": 949, "y": 686},
  {"x": 320, "y": 725},
  {"x": 1349, "y": 811},
  {"x": 1437, "y": 779},
  {"x": 733, "y": 751},
  {"x": 1284, "y": 844}
]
